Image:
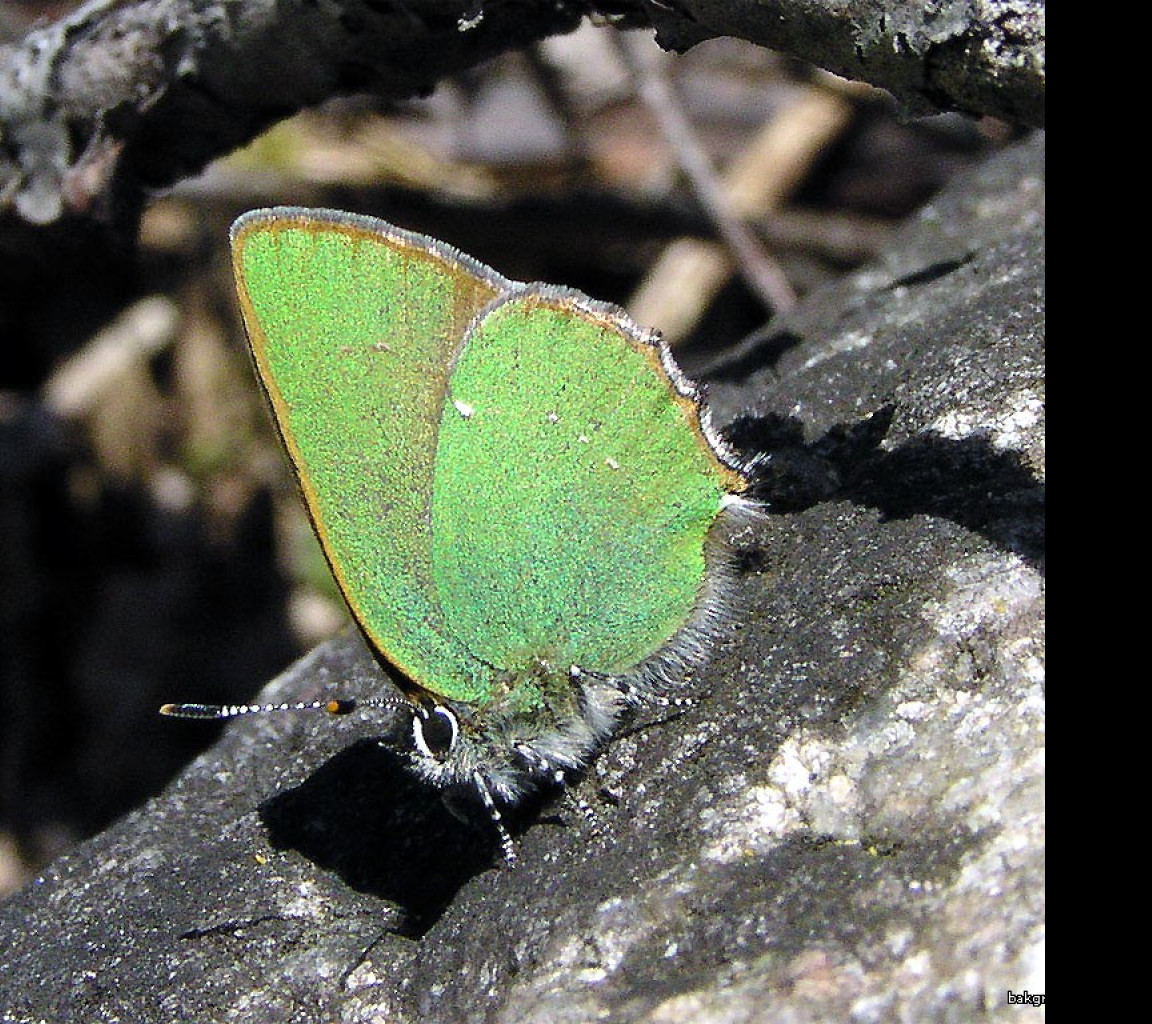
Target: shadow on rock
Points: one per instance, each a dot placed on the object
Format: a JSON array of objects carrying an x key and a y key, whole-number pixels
[
  {"x": 364, "y": 816},
  {"x": 985, "y": 488}
]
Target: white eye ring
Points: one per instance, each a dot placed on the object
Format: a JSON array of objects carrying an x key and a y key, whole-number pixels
[{"x": 441, "y": 746}]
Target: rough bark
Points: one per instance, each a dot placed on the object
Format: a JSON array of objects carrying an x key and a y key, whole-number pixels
[{"x": 977, "y": 56}]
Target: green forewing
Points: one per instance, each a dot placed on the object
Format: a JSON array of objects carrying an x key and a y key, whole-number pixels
[
  {"x": 573, "y": 490},
  {"x": 353, "y": 332}
]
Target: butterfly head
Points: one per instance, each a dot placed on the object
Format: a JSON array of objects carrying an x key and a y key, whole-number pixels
[{"x": 544, "y": 725}]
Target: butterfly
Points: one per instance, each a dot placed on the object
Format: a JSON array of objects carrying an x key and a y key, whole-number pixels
[{"x": 520, "y": 495}]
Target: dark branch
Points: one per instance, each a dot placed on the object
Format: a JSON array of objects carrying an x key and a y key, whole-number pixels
[
  {"x": 983, "y": 57},
  {"x": 124, "y": 96}
]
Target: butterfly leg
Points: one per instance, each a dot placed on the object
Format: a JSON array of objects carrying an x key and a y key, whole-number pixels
[
  {"x": 506, "y": 843},
  {"x": 628, "y": 689}
]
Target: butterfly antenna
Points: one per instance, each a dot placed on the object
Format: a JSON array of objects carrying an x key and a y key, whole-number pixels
[{"x": 333, "y": 706}]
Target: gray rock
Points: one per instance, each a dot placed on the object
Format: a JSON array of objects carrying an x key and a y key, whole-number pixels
[{"x": 848, "y": 826}]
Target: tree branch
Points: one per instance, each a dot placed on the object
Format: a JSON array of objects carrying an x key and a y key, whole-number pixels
[
  {"x": 983, "y": 57},
  {"x": 125, "y": 95},
  {"x": 153, "y": 90}
]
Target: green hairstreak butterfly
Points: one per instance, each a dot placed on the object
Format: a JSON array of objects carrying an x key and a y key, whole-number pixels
[{"x": 517, "y": 490}]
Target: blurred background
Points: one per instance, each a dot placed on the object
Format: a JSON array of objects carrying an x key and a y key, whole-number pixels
[{"x": 153, "y": 546}]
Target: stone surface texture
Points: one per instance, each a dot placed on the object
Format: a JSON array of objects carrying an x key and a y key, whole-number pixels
[{"x": 849, "y": 825}]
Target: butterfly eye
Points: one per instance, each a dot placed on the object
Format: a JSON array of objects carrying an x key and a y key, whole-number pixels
[{"x": 435, "y": 731}]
